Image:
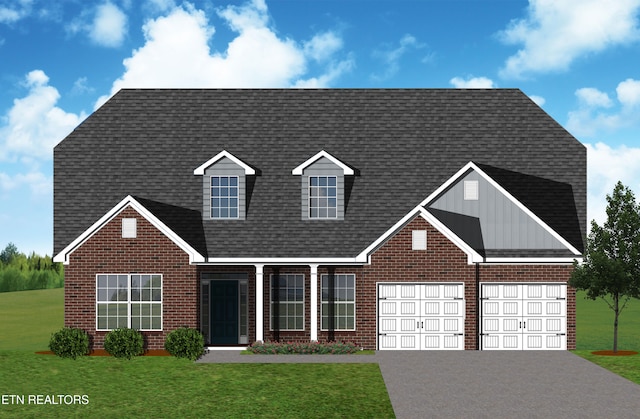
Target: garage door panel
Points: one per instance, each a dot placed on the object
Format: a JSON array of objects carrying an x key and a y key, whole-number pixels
[
  {"x": 421, "y": 316},
  {"x": 523, "y": 316}
]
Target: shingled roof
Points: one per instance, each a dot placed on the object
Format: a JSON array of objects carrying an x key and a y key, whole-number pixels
[{"x": 402, "y": 143}]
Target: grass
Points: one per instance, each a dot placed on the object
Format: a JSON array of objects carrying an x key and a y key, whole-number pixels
[
  {"x": 594, "y": 326},
  {"x": 29, "y": 318},
  {"x": 167, "y": 386},
  {"x": 171, "y": 387}
]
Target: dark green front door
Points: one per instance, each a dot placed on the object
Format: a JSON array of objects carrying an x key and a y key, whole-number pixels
[{"x": 224, "y": 312}]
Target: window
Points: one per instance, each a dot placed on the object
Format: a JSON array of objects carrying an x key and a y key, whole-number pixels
[
  {"x": 287, "y": 292},
  {"x": 323, "y": 197},
  {"x": 224, "y": 196},
  {"x": 344, "y": 301},
  {"x": 470, "y": 190},
  {"x": 133, "y": 301}
]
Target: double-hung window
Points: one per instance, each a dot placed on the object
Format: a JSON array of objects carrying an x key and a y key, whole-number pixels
[
  {"x": 224, "y": 196},
  {"x": 133, "y": 301},
  {"x": 323, "y": 201},
  {"x": 343, "y": 301},
  {"x": 287, "y": 301}
]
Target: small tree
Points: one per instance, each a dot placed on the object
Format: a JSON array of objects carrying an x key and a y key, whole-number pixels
[
  {"x": 9, "y": 253},
  {"x": 611, "y": 266}
]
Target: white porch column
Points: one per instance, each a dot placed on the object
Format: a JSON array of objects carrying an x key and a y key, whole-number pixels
[
  {"x": 259, "y": 303},
  {"x": 314, "y": 302}
]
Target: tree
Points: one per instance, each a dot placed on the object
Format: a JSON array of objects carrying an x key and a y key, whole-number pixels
[
  {"x": 9, "y": 252},
  {"x": 611, "y": 265}
]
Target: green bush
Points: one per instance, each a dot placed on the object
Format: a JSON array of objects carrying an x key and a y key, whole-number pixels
[
  {"x": 310, "y": 348},
  {"x": 185, "y": 343},
  {"x": 124, "y": 343},
  {"x": 69, "y": 343}
]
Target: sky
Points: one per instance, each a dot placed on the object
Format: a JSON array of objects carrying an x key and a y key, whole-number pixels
[{"x": 60, "y": 60}]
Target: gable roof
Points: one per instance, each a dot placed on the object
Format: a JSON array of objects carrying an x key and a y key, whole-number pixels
[{"x": 401, "y": 143}]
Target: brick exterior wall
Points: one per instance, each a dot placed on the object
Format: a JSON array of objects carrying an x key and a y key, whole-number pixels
[
  {"x": 106, "y": 252},
  {"x": 395, "y": 261}
]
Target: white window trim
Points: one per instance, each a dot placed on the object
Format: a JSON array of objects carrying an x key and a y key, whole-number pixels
[
  {"x": 348, "y": 302},
  {"x": 237, "y": 198},
  {"x": 303, "y": 302},
  {"x": 309, "y": 196},
  {"x": 128, "y": 302}
]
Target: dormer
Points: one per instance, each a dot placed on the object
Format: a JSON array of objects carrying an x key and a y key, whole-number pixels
[
  {"x": 224, "y": 187},
  {"x": 323, "y": 187}
]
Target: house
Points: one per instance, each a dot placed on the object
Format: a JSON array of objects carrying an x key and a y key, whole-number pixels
[{"x": 397, "y": 219}]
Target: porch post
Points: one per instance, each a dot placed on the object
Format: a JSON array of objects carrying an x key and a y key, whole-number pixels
[
  {"x": 314, "y": 302},
  {"x": 259, "y": 303}
]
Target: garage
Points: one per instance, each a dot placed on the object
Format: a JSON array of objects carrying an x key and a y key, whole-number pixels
[
  {"x": 420, "y": 316},
  {"x": 524, "y": 316}
]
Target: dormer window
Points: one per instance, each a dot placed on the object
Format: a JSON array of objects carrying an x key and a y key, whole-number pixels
[
  {"x": 224, "y": 196},
  {"x": 224, "y": 187},
  {"x": 323, "y": 187},
  {"x": 323, "y": 197}
]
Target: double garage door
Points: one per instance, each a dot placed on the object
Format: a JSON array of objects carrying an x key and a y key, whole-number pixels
[
  {"x": 428, "y": 316},
  {"x": 421, "y": 316}
]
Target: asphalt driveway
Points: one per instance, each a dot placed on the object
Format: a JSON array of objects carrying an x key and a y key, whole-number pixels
[{"x": 487, "y": 384}]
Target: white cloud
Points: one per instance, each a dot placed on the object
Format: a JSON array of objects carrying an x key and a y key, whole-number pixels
[
  {"x": 593, "y": 97},
  {"x": 391, "y": 56},
  {"x": 605, "y": 167},
  {"x": 472, "y": 83},
  {"x": 176, "y": 53},
  {"x": 15, "y": 12},
  {"x": 539, "y": 100},
  {"x": 322, "y": 46},
  {"x": 34, "y": 124},
  {"x": 629, "y": 93},
  {"x": 109, "y": 26},
  {"x": 555, "y": 33},
  {"x": 160, "y": 5},
  {"x": 591, "y": 118},
  {"x": 38, "y": 183}
]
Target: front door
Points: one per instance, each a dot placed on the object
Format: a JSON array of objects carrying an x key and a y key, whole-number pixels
[{"x": 224, "y": 312}]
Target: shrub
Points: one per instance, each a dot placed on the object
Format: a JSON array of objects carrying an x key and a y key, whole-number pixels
[
  {"x": 315, "y": 348},
  {"x": 185, "y": 343},
  {"x": 69, "y": 343},
  {"x": 124, "y": 343}
]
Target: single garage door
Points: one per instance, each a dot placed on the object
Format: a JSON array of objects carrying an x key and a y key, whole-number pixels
[
  {"x": 524, "y": 316},
  {"x": 420, "y": 316}
]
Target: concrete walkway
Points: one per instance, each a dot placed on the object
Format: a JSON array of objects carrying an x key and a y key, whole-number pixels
[{"x": 474, "y": 384}]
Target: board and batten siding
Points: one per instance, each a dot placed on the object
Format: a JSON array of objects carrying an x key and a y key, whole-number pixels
[
  {"x": 504, "y": 225},
  {"x": 323, "y": 167},
  {"x": 223, "y": 167}
]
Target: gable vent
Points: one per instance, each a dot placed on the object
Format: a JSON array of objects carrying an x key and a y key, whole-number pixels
[
  {"x": 129, "y": 229},
  {"x": 419, "y": 240},
  {"x": 470, "y": 190}
]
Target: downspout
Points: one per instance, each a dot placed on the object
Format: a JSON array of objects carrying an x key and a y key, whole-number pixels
[{"x": 478, "y": 308}]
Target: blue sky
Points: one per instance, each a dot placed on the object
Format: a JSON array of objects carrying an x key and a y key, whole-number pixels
[{"x": 59, "y": 61}]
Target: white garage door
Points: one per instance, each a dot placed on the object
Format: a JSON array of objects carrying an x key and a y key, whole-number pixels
[
  {"x": 420, "y": 316},
  {"x": 524, "y": 316}
]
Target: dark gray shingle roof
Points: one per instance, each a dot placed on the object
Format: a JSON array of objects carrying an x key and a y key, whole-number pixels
[{"x": 403, "y": 144}]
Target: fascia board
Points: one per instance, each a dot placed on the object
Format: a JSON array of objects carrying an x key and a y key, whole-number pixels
[
  {"x": 525, "y": 260},
  {"x": 283, "y": 261},
  {"x": 248, "y": 170},
  {"x": 515, "y": 201},
  {"x": 472, "y": 255},
  {"x": 346, "y": 169},
  {"x": 63, "y": 256}
]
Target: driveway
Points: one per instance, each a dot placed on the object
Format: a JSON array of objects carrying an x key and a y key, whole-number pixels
[{"x": 487, "y": 384}]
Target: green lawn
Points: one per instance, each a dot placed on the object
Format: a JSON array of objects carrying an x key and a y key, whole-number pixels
[
  {"x": 170, "y": 387},
  {"x": 29, "y": 317}
]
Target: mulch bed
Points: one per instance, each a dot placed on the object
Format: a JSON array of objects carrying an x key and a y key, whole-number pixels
[
  {"x": 102, "y": 352},
  {"x": 619, "y": 353}
]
